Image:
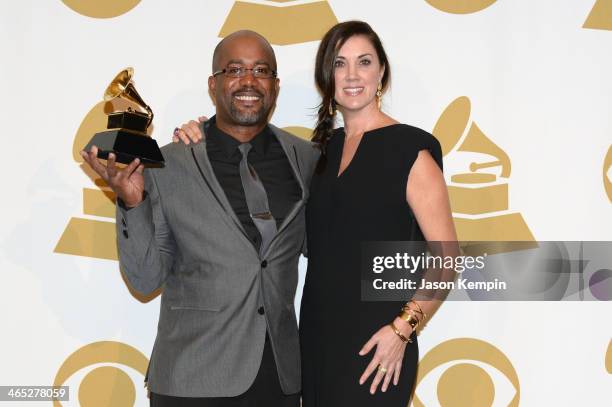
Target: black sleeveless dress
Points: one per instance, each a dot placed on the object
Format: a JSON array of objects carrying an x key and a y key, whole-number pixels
[{"x": 367, "y": 202}]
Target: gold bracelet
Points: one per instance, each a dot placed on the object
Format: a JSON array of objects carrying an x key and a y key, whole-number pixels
[
  {"x": 398, "y": 333},
  {"x": 410, "y": 318},
  {"x": 419, "y": 310}
]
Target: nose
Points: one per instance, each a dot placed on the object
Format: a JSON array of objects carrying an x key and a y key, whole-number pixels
[
  {"x": 248, "y": 78},
  {"x": 352, "y": 72}
]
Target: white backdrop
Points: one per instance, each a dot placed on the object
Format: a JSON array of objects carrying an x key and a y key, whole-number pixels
[{"x": 537, "y": 78}]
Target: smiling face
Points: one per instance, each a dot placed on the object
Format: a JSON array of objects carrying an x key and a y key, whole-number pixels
[
  {"x": 244, "y": 101},
  {"x": 357, "y": 73}
]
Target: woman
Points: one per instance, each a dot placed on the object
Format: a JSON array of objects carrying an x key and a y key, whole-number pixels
[{"x": 378, "y": 180}]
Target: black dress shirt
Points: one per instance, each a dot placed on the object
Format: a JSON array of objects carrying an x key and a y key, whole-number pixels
[{"x": 270, "y": 162}]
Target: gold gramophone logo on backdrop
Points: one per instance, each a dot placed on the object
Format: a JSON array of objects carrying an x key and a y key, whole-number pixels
[
  {"x": 96, "y": 237},
  {"x": 607, "y": 173},
  {"x": 282, "y": 22},
  {"x": 600, "y": 17},
  {"x": 106, "y": 384},
  {"x": 479, "y": 192},
  {"x": 467, "y": 383},
  {"x": 101, "y": 9},
  {"x": 608, "y": 361},
  {"x": 460, "y": 7}
]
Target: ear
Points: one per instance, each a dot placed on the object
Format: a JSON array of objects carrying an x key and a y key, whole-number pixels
[
  {"x": 277, "y": 85},
  {"x": 212, "y": 87}
]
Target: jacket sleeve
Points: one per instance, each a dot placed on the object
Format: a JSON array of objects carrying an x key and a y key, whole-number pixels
[{"x": 145, "y": 244}]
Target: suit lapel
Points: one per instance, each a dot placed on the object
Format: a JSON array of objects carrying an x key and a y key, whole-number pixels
[
  {"x": 208, "y": 181},
  {"x": 292, "y": 156}
]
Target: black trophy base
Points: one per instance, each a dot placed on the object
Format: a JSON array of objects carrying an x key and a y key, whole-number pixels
[
  {"x": 127, "y": 145},
  {"x": 128, "y": 121}
]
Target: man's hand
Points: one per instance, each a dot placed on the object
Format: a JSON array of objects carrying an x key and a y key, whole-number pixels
[
  {"x": 128, "y": 184},
  {"x": 189, "y": 132}
]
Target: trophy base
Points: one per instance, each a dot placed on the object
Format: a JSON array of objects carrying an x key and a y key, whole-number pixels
[
  {"x": 128, "y": 120},
  {"x": 127, "y": 145}
]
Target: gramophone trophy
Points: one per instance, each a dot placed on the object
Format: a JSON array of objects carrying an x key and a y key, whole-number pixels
[{"x": 127, "y": 136}]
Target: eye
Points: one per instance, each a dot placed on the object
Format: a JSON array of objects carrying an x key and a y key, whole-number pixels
[
  {"x": 104, "y": 373},
  {"x": 466, "y": 372},
  {"x": 365, "y": 62},
  {"x": 338, "y": 63},
  {"x": 234, "y": 70},
  {"x": 261, "y": 70}
]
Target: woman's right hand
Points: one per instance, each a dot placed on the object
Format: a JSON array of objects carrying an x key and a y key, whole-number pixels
[{"x": 189, "y": 132}]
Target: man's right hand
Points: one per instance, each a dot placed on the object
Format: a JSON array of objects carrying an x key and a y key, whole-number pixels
[
  {"x": 128, "y": 184},
  {"x": 189, "y": 132}
]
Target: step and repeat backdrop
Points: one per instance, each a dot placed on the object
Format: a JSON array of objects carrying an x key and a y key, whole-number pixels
[{"x": 518, "y": 92}]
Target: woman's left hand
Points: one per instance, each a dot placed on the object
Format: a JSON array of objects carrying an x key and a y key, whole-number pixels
[{"x": 387, "y": 360}]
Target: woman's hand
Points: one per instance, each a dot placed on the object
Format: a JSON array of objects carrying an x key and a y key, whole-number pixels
[
  {"x": 387, "y": 360},
  {"x": 189, "y": 132}
]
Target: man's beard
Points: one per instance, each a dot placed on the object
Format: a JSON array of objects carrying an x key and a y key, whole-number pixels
[{"x": 248, "y": 117}]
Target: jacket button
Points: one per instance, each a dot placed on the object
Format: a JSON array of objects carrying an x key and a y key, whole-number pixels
[
  {"x": 261, "y": 310},
  {"x": 125, "y": 233},
  {"x": 264, "y": 264}
]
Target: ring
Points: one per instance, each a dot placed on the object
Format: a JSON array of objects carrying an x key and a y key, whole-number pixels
[{"x": 382, "y": 369}]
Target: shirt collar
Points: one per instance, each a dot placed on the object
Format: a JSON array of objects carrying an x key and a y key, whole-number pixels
[{"x": 229, "y": 144}]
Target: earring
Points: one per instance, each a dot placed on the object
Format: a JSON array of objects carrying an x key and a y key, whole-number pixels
[
  {"x": 331, "y": 108},
  {"x": 379, "y": 95}
]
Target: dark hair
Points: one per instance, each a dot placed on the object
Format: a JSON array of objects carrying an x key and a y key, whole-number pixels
[
  {"x": 331, "y": 43},
  {"x": 241, "y": 33}
]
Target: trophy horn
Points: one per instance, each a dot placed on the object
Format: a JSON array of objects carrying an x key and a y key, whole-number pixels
[
  {"x": 123, "y": 87},
  {"x": 476, "y": 141},
  {"x": 454, "y": 123}
]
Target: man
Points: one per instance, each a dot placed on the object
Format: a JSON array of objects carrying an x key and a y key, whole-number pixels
[{"x": 221, "y": 227}]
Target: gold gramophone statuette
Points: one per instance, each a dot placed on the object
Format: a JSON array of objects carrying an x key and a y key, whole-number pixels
[{"x": 127, "y": 136}]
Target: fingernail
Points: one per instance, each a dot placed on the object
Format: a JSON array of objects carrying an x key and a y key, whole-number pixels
[
  {"x": 111, "y": 155},
  {"x": 176, "y": 130}
]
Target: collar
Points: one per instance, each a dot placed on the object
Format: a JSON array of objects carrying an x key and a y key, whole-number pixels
[{"x": 229, "y": 144}]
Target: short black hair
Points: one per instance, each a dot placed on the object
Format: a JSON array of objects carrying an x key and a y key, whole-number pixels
[{"x": 219, "y": 47}]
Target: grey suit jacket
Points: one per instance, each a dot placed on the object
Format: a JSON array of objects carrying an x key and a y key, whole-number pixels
[{"x": 185, "y": 237}]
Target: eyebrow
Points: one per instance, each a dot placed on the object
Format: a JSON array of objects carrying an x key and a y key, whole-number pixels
[
  {"x": 360, "y": 56},
  {"x": 240, "y": 61}
]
